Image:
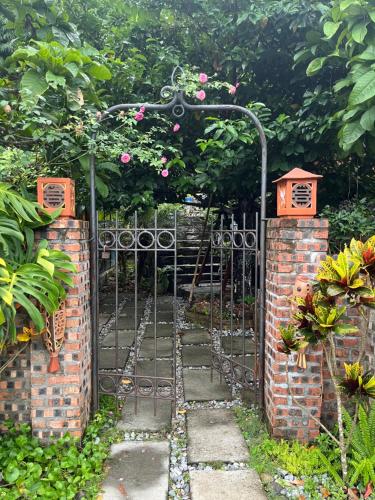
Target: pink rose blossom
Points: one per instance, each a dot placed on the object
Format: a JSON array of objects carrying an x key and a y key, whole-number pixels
[
  {"x": 176, "y": 127},
  {"x": 142, "y": 109},
  {"x": 164, "y": 160},
  {"x": 237, "y": 85},
  {"x": 203, "y": 78},
  {"x": 165, "y": 173},
  {"x": 125, "y": 157},
  {"x": 139, "y": 116},
  {"x": 232, "y": 90},
  {"x": 201, "y": 95}
]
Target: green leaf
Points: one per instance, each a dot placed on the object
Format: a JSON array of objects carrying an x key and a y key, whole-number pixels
[
  {"x": 367, "y": 55},
  {"x": 55, "y": 80},
  {"x": 315, "y": 66},
  {"x": 330, "y": 28},
  {"x": 100, "y": 72},
  {"x": 32, "y": 85},
  {"x": 368, "y": 119},
  {"x": 345, "y": 329},
  {"x": 351, "y": 132},
  {"x": 334, "y": 290},
  {"x": 364, "y": 89},
  {"x": 12, "y": 473},
  {"x": 359, "y": 32}
]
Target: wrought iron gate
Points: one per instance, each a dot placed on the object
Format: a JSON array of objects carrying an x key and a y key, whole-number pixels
[
  {"x": 177, "y": 105},
  {"x": 133, "y": 319},
  {"x": 234, "y": 302}
]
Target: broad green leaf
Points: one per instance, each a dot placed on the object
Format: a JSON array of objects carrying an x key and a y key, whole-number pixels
[
  {"x": 359, "y": 31},
  {"x": 100, "y": 72},
  {"x": 32, "y": 85},
  {"x": 348, "y": 3},
  {"x": 368, "y": 119},
  {"x": 315, "y": 66},
  {"x": 368, "y": 54},
  {"x": 351, "y": 132},
  {"x": 364, "y": 89},
  {"x": 330, "y": 28},
  {"x": 333, "y": 290},
  {"x": 55, "y": 80}
]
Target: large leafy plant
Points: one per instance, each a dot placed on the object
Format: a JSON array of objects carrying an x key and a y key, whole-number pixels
[
  {"x": 343, "y": 282},
  {"x": 32, "y": 278}
]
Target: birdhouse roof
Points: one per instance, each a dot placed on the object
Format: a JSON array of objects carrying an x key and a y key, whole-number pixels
[{"x": 298, "y": 174}]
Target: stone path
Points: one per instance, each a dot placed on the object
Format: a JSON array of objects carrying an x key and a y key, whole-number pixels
[{"x": 167, "y": 456}]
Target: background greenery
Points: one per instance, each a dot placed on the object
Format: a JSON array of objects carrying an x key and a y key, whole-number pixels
[{"x": 303, "y": 66}]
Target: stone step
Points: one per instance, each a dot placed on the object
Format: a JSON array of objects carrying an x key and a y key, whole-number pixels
[
  {"x": 198, "y": 385},
  {"x": 196, "y": 355},
  {"x": 137, "y": 470},
  {"x": 141, "y": 416},
  {"x": 226, "y": 485},
  {"x": 214, "y": 436}
]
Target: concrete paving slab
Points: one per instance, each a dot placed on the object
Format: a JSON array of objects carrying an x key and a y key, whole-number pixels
[
  {"x": 124, "y": 323},
  {"x": 237, "y": 345},
  {"x": 196, "y": 355},
  {"x": 107, "y": 358},
  {"x": 162, "y": 330},
  {"x": 195, "y": 336},
  {"x": 226, "y": 485},
  {"x": 162, "y": 316},
  {"x": 125, "y": 338},
  {"x": 129, "y": 310},
  {"x": 137, "y": 471},
  {"x": 147, "y": 368},
  {"x": 164, "y": 348},
  {"x": 145, "y": 420},
  {"x": 214, "y": 436},
  {"x": 198, "y": 386}
]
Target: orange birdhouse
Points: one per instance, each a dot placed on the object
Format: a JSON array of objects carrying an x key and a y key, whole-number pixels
[
  {"x": 297, "y": 193},
  {"x": 57, "y": 192}
]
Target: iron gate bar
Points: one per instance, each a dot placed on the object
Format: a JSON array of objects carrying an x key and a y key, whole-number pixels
[{"x": 177, "y": 105}]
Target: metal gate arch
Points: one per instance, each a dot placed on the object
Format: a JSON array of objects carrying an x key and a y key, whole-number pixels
[{"x": 177, "y": 105}]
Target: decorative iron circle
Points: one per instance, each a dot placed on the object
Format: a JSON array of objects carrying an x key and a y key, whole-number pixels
[
  {"x": 167, "y": 92},
  {"x": 145, "y": 233},
  {"x": 216, "y": 238},
  {"x": 178, "y": 111},
  {"x": 126, "y": 239},
  {"x": 170, "y": 235},
  {"x": 176, "y": 69},
  {"x": 238, "y": 239},
  {"x": 127, "y": 385},
  {"x": 107, "y": 384},
  {"x": 250, "y": 240},
  {"x": 107, "y": 239},
  {"x": 145, "y": 386},
  {"x": 226, "y": 238},
  {"x": 164, "y": 389}
]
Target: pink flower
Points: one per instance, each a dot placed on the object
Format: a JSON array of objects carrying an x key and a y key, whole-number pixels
[
  {"x": 203, "y": 78},
  {"x": 142, "y": 109},
  {"x": 125, "y": 157},
  {"x": 232, "y": 90},
  {"x": 237, "y": 85},
  {"x": 139, "y": 116},
  {"x": 165, "y": 173},
  {"x": 176, "y": 127},
  {"x": 164, "y": 160},
  {"x": 201, "y": 95}
]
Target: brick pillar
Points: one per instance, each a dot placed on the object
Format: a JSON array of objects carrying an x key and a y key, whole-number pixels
[
  {"x": 294, "y": 247},
  {"x": 60, "y": 402}
]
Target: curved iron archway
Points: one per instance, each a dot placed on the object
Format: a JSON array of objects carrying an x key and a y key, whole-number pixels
[{"x": 177, "y": 105}]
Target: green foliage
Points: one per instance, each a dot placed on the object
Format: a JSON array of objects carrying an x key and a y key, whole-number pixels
[
  {"x": 62, "y": 469},
  {"x": 362, "y": 446},
  {"x": 353, "y": 219},
  {"x": 349, "y": 51},
  {"x": 31, "y": 278}
]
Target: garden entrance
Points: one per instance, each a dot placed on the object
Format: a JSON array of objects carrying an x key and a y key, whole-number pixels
[
  {"x": 143, "y": 286},
  {"x": 138, "y": 320}
]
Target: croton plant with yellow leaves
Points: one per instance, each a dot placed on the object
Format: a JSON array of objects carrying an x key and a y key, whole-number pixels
[{"x": 343, "y": 282}]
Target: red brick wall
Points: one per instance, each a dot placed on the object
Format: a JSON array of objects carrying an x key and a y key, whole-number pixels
[
  {"x": 294, "y": 247},
  {"x": 56, "y": 403}
]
